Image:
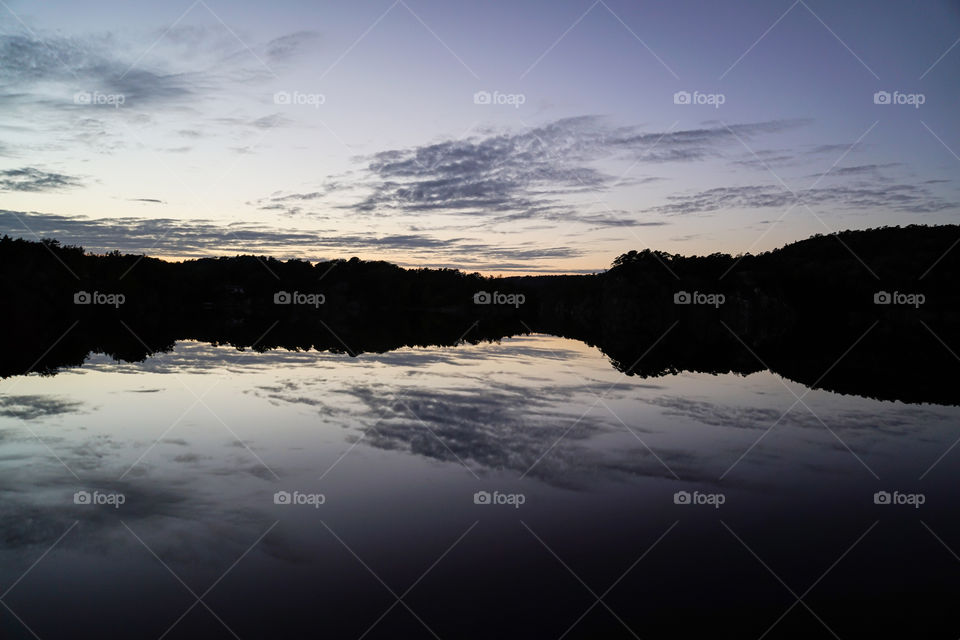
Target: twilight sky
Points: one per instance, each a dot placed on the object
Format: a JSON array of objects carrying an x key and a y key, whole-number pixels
[{"x": 529, "y": 136}]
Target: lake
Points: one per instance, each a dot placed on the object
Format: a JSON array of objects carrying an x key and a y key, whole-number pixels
[{"x": 515, "y": 488}]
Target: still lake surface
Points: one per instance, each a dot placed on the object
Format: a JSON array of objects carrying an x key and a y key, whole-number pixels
[{"x": 521, "y": 488}]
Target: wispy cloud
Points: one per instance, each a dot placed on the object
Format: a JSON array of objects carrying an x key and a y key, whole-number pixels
[
  {"x": 27, "y": 61},
  {"x": 533, "y": 174},
  {"x": 93, "y": 90},
  {"x": 863, "y": 169},
  {"x": 291, "y": 45},
  {"x": 775, "y": 158},
  {"x": 166, "y": 237},
  {"x": 32, "y": 179},
  {"x": 907, "y": 198},
  {"x": 194, "y": 58},
  {"x": 31, "y": 407}
]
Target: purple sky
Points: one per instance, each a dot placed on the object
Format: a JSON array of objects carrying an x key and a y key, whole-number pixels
[{"x": 500, "y": 137}]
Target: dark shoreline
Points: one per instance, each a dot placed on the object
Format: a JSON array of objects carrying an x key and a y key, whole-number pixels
[{"x": 812, "y": 311}]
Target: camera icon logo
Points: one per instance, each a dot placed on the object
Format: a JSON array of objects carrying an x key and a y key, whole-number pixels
[
  {"x": 682, "y": 297},
  {"x": 282, "y": 297},
  {"x": 281, "y": 97},
  {"x": 82, "y": 497},
  {"x": 882, "y": 297},
  {"x": 82, "y": 297},
  {"x": 681, "y": 97},
  {"x": 881, "y": 97},
  {"x": 282, "y": 497},
  {"x": 681, "y": 497},
  {"x": 482, "y": 297},
  {"x": 482, "y": 497},
  {"x": 482, "y": 97},
  {"x": 881, "y": 497}
]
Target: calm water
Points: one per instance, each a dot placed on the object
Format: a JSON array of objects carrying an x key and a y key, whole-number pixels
[{"x": 386, "y": 454}]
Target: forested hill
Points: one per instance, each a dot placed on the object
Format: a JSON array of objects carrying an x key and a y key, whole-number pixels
[
  {"x": 918, "y": 256},
  {"x": 890, "y": 292}
]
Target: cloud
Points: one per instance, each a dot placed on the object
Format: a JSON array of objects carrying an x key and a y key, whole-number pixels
[
  {"x": 101, "y": 63},
  {"x": 264, "y": 122},
  {"x": 896, "y": 423},
  {"x": 767, "y": 158},
  {"x": 509, "y": 176},
  {"x": 31, "y": 179},
  {"x": 87, "y": 64},
  {"x": 151, "y": 200},
  {"x": 837, "y": 148},
  {"x": 907, "y": 198},
  {"x": 270, "y": 121},
  {"x": 31, "y": 407},
  {"x": 167, "y": 237},
  {"x": 764, "y": 159},
  {"x": 81, "y": 90},
  {"x": 290, "y": 45},
  {"x": 488, "y": 426},
  {"x": 863, "y": 169}
]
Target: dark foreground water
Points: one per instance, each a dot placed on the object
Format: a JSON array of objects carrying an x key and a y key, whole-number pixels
[{"x": 522, "y": 489}]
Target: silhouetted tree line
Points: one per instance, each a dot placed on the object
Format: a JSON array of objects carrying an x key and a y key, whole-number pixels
[{"x": 797, "y": 309}]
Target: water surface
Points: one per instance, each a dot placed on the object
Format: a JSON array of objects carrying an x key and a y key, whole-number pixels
[{"x": 592, "y": 536}]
